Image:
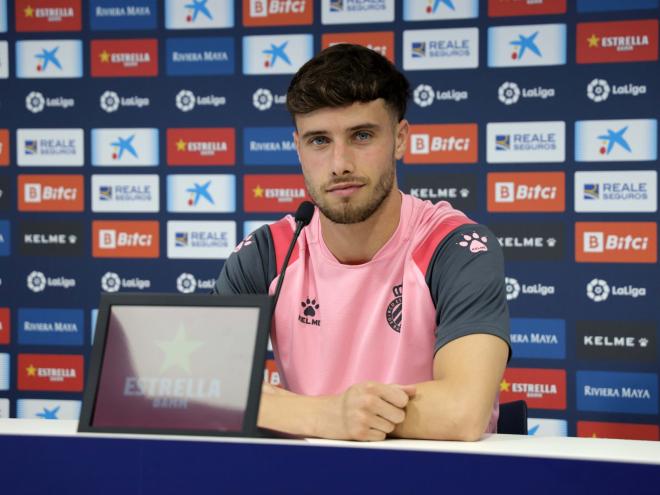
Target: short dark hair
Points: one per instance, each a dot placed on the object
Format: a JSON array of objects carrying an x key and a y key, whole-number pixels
[{"x": 344, "y": 74}]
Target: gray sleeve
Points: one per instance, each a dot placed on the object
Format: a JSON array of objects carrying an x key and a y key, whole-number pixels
[
  {"x": 466, "y": 280},
  {"x": 251, "y": 268}
]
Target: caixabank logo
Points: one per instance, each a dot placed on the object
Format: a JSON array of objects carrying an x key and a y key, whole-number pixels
[
  {"x": 538, "y": 338},
  {"x": 433, "y": 49},
  {"x": 113, "y": 15},
  {"x": 508, "y": 8},
  {"x": 51, "y": 238},
  {"x": 49, "y": 59},
  {"x": 526, "y": 192},
  {"x": 277, "y": 12},
  {"x": 278, "y": 54},
  {"x": 4, "y": 59},
  {"x": 201, "y": 146},
  {"x": 607, "y": 391},
  {"x": 626, "y": 431},
  {"x": 3, "y": 16},
  {"x": 540, "y": 388},
  {"x": 128, "y": 147},
  {"x": 199, "y": 14},
  {"x": 208, "y": 56},
  {"x": 200, "y": 240},
  {"x": 48, "y": 15},
  {"x": 50, "y": 372},
  {"x": 544, "y": 427},
  {"x": 618, "y": 140},
  {"x": 380, "y": 41},
  {"x": 135, "y": 193},
  {"x": 439, "y": 10},
  {"x": 48, "y": 409},
  {"x": 51, "y": 193},
  {"x": 269, "y": 146},
  {"x": 527, "y": 45},
  {"x": 124, "y": 58},
  {"x": 531, "y": 241},
  {"x": 201, "y": 193},
  {"x": 526, "y": 142},
  {"x": 616, "y": 242},
  {"x": 5, "y": 326},
  {"x": 57, "y": 327},
  {"x": 618, "y": 41},
  {"x": 50, "y": 147},
  {"x": 458, "y": 189},
  {"x": 125, "y": 239},
  {"x": 273, "y": 193},
  {"x": 633, "y": 191},
  {"x": 356, "y": 11},
  {"x": 631, "y": 341},
  {"x": 442, "y": 143}
]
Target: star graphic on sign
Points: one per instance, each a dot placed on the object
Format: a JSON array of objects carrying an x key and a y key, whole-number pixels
[
  {"x": 527, "y": 43},
  {"x": 31, "y": 370},
  {"x": 178, "y": 351},
  {"x": 593, "y": 41},
  {"x": 49, "y": 413},
  {"x": 181, "y": 145},
  {"x": 277, "y": 51},
  {"x": 104, "y": 56},
  {"x": 28, "y": 11},
  {"x": 504, "y": 385},
  {"x": 258, "y": 192}
]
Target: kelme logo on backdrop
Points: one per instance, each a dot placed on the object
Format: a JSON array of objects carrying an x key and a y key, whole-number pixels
[
  {"x": 51, "y": 238},
  {"x": 458, "y": 189},
  {"x": 356, "y": 11},
  {"x": 441, "y": 10},
  {"x": 208, "y": 56},
  {"x": 632, "y": 341},
  {"x": 531, "y": 241},
  {"x": 112, "y": 15},
  {"x": 48, "y": 59},
  {"x": 432, "y": 49},
  {"x": 199, "y": 14},
  {"x": 53, "y": 15}
]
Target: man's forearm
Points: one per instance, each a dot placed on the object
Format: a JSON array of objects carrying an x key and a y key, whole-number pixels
[
  {"x": 291, "y": 413},
  {"x": 439, "y": 411}
]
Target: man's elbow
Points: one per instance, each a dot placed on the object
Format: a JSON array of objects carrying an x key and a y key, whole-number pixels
[{"x": 465, "y": 424}]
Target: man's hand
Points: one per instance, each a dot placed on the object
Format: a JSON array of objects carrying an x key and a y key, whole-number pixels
[{"x": 369, "y": 411}]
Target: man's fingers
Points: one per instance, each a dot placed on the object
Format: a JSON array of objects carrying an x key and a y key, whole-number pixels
[
  {"x": 393, "y": 394},
  {"x": 389, "y": 412},
  {"x": 410, "y": 390},
  {"x": 381, "y": 424}
]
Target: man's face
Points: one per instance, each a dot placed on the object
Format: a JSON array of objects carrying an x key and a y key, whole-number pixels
[{"x": 348, "y": 157}]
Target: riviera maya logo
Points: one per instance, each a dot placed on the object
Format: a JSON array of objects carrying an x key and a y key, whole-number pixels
[{"x": 394, "y": 312}]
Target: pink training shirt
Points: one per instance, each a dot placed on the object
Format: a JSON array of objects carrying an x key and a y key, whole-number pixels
[{"x": 439, "y": 277}]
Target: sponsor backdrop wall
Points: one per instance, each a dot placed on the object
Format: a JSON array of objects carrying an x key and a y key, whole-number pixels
[{"x": 141, "y": 140}]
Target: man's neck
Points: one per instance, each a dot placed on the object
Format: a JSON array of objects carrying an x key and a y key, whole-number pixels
[{"x": 357, "y": 243}]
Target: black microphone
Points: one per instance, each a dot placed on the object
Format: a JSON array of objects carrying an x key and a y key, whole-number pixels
[{"x": 303, "y": 216}]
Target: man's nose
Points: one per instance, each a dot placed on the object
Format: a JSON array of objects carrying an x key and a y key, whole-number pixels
[{"x": 342, "y": 159}]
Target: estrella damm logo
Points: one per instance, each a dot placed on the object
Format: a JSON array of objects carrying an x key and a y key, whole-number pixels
[
  {"x": 540, "y": 388},
  {"x": 124, "y": 58},
  {"x": 619, "y": 41},
  {"x": 626, "y": 431},
  {"x": 50, "y": 372},
  {"x": 48, "y": 15},
  {"x": 201, "y": 146},
  {"x": 273, "y": 193},
  {"x": 5, "y": 326}
]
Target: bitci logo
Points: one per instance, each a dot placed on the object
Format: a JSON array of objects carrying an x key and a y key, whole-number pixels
[
  {"x": 616, "y": 242},
  {"x": 125, "y": 239},
  {"x": 51, "y": 193},
  {"x": 621, "y": 41},
  {"x": 277, "y": 12},
  {"x": 442, "y": 143},
  {"x": 50, "y": 372},
  {"x": 4, "y": 147},
  {"x": 526, "y": 191}
]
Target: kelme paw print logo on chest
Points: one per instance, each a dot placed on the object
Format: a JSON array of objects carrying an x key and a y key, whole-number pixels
[
  {"x": 475, "y": 243},
  {"x": 309, "y": 312}
]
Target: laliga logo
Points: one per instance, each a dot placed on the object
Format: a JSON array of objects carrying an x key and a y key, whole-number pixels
[
  {"x": 598, "y": 290},
  {"x": 110, "y": 282},
  {"x": 110, "y": 101},
  {"x": 36, "y": 281},
  {"x": 186, "y": 283},
  {"x": 512, "y": 288},
  {"x": 508, "y": 93},
  {"x": 185, "y": 100},
  {"x": 598, "y": 90},
  {"x": 35, "y": 102},
  {"x": 423, "y": 95},
  {"x": 262, "y": 99}
]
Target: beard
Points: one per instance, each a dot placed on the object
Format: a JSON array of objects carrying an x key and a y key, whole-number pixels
[{"x": 348, "y": 210}]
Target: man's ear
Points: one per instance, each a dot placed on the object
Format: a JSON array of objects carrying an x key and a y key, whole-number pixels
[{"x": 401, "y": 139}]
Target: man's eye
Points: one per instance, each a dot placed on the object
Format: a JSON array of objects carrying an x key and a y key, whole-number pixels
[
  {"x": 318, "y": 140},
  {"x": 362, "y": 136}
]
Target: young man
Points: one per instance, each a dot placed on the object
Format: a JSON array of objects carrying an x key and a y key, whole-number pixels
[{"x": 392, "y": 318}]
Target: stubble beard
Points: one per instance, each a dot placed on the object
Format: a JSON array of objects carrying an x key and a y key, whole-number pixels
[{"x": 347, "y": 212}]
